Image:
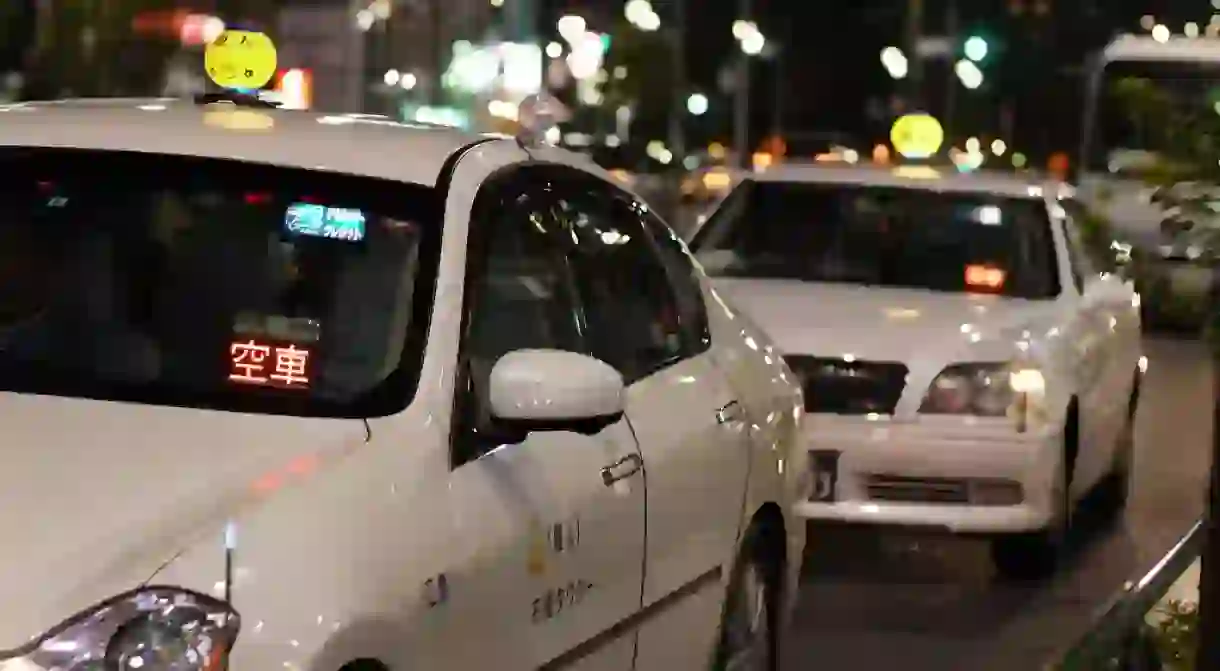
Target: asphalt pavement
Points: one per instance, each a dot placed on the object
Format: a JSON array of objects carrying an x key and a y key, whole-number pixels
[{"x": 888, "y": 601}]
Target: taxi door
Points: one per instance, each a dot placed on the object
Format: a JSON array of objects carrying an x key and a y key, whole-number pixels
[{"x": 554, "y": 523}]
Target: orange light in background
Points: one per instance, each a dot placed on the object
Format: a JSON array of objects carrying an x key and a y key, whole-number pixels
[
  {"x": 1058, "y": 165},
  {"x": 881, "y": 154},
  {"x": 763, "y": 160},
  {"x": 775, "y": 146},
  {"x": 985, "y": 278},
  {"x": 295, "y": 87}
]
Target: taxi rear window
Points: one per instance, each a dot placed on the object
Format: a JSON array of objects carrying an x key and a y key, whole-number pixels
[
  {"x": 882, "y": 236},
  {"x": 212, "y": 283}
]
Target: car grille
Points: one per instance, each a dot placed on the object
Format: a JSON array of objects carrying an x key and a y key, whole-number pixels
[
  {"x": 917, "y": 490},
  {"x": 849, "y": 387}
]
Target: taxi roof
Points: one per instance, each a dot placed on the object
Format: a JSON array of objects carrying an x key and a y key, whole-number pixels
[
  {"x": 364, "y": 145},
  {"x": 913, "y": 177}
]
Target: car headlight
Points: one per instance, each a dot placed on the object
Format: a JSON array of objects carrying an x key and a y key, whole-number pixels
[
  {"x": 983, "y": 389},
  {"x": 152, "y": 629}
]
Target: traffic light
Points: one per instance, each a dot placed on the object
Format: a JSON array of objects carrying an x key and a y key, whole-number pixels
[{"x": 976, "y": 48}]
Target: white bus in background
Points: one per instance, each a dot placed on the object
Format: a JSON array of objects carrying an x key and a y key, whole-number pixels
[{"x": 1117, "y": 148}]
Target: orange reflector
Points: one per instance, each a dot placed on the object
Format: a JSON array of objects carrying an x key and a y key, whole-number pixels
[{"x": 985, "y": 278}]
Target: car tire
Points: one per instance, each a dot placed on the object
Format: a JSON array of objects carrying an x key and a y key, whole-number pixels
[
  {"x": 1035, "y": 555},
  {"x": 748, "y": 638}
]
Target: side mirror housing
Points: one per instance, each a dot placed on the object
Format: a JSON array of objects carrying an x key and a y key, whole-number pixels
[{"x": 553, "y": 390}]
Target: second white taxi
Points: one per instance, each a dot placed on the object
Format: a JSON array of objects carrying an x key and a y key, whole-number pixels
[{"x": 970, "y": 363}]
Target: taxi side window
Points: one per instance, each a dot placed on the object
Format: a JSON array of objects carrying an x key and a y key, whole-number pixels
[
  {"x": 684, "y": 278},
  {"x": 519, "y": 295},
  {"x": 633, "y": 315},
  {"x": 1078, "y": 255},
  {"x": 1099, "y": 256}
]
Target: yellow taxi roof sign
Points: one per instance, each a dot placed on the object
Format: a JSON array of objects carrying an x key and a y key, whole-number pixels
[{"x": 917, "y": 136}]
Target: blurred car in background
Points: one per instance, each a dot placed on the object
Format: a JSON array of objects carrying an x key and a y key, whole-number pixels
[{"x": 969, "y": 363}]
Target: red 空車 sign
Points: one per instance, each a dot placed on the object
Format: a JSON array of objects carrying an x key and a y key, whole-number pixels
[{"x": 269, "y": 364}]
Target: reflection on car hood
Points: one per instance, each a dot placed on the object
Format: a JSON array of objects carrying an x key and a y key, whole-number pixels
[
  {"x": 886, "y": 324},
  {"x": 95, "y": 496}
]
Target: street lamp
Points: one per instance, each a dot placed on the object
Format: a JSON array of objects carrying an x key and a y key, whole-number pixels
[
  {"x": 751, "y": 42},
  {"x": 697, "y": 104},
  {"x": 640, "y": 14},
  {"x": 894, "y": 62},
  {"x": 969, "y": 74},
  {"x": 571, "y": 27},
  {"x": 749, "y": 37}
]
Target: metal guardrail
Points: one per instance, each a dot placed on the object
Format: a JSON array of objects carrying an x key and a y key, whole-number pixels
[{"x": 1118, "y": 625}]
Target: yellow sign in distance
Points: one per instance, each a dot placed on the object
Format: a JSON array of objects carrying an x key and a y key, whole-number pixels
[
  {"x": 240, "y": 59},
  {"x": 917, "y": 136}
]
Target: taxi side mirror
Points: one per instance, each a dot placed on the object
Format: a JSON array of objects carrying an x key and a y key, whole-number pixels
[{"x": 553, "y": 390}]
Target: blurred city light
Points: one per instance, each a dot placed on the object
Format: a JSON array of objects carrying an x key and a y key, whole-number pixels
[
  {"x": 1191, "y": 29},
  {"x": 640, "y": 14},
  {"x": 749, "y": 37},
  {"x": 973, "y": 144},
  {"x": 1160, "y": 33},
  {"x": 554, "y": 50},
  {"x": 976, "y": 48},
  {"x": 894, "y": 62},
  {"x": 697, "y": 104},
  {"x": 295, "y": 87},
  {"x": 571, "y": 27},
  {"x": 497, "y": 3},
  {"x": 391, "y": 77},
  {"x": 1147, "y": 21},
  {"x": 408, "y": 81},
  {"x": 586, "y": 57},
  {"x": 969, "y": 74},
  {"x": 1019, "y": 160},
  {"x": 998, "y": 147}
]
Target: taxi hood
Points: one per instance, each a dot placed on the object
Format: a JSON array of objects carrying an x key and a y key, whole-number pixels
[
  {"x": 96, "y": 496},
  {"x": 883, "y": 324}
]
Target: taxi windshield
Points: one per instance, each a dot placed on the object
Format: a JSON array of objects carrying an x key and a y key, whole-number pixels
[
  {"x": 212, "y": 283},
  {"x": 882, "y": 236}
]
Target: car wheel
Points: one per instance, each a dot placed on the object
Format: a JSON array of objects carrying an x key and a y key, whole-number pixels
[
  {"x": 1035, "y": 555},
  {"x": 749, "y": 637}
]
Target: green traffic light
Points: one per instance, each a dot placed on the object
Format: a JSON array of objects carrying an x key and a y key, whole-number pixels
[{"x": 975, "y": 48}]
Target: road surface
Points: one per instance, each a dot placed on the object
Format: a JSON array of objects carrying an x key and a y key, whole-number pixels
[{"x": 887, "y": 601}]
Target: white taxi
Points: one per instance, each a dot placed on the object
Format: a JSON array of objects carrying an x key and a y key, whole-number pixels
[
  {"x": 286, "y": 390},
  {"x": 970, "y": 363}
]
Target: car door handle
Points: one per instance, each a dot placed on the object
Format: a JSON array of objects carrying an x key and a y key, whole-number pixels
[
  {"x": 622, "y": 469},
  {"x": 731, "y": 412}
]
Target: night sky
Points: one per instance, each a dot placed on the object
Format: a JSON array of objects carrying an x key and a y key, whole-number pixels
[{"x": 832, "y": 78}]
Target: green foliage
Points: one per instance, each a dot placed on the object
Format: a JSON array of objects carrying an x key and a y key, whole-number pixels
[
  {"x": 648, "y": 84},
  {"x": 1187, "y": 136},
  {"x": 1177, "y": 635}
]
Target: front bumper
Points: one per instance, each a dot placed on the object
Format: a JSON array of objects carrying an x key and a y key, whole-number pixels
[{"x": 962, "y": 475}]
